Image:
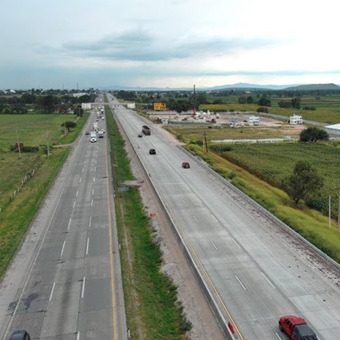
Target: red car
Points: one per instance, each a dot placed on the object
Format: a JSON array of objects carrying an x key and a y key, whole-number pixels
[
  {"x": 185, "y": 165},
  {"x": 296, "y": 328}
]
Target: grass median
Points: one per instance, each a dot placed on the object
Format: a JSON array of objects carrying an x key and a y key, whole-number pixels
[{"x": 152, "y": 309}]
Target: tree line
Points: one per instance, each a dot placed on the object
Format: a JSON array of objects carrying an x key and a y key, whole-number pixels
[{"x": 47, "y": 103}]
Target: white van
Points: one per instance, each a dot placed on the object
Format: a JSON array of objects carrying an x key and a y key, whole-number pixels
[{"x": 93, "y": 137}]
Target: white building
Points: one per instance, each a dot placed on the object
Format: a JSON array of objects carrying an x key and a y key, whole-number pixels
[
  {"x": 295, "y": 119},
  {"x": 86, "y": 106},
  {"x": 254, "y": 120},
  {"x": 131, "y": 105}
]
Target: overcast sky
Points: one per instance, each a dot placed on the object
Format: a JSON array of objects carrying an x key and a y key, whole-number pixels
[{"x": 167, "y": 43}]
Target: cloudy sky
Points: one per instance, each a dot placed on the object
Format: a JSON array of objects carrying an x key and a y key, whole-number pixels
[{"x": 167, "y": 43}]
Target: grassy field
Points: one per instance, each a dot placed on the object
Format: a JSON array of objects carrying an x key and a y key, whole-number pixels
[
  {"x": 152, "y": 309},
  {"x": 309, "y": 223},
  {"x": 327, "y": 107},
  {"x": 277, "y": 161},
  {"x": 31, "y": 130},
  {"x": 25, "y": 178}
]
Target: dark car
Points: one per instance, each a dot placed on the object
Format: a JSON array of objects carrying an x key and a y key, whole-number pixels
[
  {"x": 152, "y": 151},
  {"x": 296, "y": 328},
  {"x": 20, "y": 335},
  {"x": 87, "y": 133},
  {"x": 140, "y": 135},
  {"x": 186, "y": 165}
]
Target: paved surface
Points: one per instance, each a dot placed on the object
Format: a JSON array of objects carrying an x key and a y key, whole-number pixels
[
  {"x": 65, "y": 281},
  {"x": 254, "y": 270}
]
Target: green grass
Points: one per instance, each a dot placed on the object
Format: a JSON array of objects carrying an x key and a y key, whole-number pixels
[
  {"x": 31, "y": 130},
  {"x": 150, "y": 296},
  {"x": 311, "y": 224},
  {"x": 327, "y": 107},
  {"x": 26, "y": 178},
  {"x": 277, "y": 161}
]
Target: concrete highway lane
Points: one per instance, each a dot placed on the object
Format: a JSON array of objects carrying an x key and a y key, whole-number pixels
[
  {"x": 71, "y": 286},
  {"x": 254, "y": 269}
]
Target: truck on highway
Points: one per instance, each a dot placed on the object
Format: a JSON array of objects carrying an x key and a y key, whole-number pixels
[
  {"x": 146, "y": 130},
  {"x": 95, "y": 126},
  {"x": 93, "y": 137}
]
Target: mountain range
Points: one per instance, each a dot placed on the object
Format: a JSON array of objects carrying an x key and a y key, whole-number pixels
[{"x": 243, "y": 86}]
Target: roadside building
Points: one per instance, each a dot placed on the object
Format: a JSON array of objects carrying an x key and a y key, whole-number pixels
[{"x": 295, "y": 119}]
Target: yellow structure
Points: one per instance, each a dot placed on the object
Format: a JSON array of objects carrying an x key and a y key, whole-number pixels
[{"x": 159, "y": 106}]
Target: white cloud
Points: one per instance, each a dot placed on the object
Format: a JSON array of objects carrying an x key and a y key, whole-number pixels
[{"x": 169, "y": 43}]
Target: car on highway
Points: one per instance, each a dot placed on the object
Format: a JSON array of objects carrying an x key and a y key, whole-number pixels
[
  {"x": 296, "y": 328},
  {"x": 87, "y": 133},
  {"x": 152, "y": 151},
  {"x": 186, "y": 165},
  {"x": 140, "y": 135},
  {"x": 20, "y": 335}
]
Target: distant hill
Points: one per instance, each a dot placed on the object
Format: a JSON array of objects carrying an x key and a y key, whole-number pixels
[
  {"x": 247, "y": 86},
  {"x": 314, "y": 87},
  {"x": 237, "y": 86}
]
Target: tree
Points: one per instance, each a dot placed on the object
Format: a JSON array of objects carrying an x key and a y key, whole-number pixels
[
  {"x": 69, "y": 125},
  {"x": 303, "y": 183},
  {"x": 264, "y": 101},
  {"x": 313, "y": 134}
]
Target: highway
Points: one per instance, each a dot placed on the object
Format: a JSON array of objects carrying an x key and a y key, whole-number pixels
[
  {"x": 254, "y": 270},
  {"x": 65, "y": 281}
]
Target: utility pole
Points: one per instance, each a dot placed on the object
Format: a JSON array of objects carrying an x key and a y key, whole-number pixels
[
  {"x": 205, "y": 141},
  {"x": 329, "y": 212},
  {"x": 194, "y": 101},
  {"x": 339, "y": 209},
  {"x": 18, "y": 143}
]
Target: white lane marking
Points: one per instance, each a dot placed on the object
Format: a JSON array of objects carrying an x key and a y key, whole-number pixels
[
  {"x": 87, "y": 246},
  {"x": 74, "y": 204},
  {"x": 236, "y": 243},
  {"x": 52, "y": 292},
  {"x": 91, "y": 202},
  {"x": 78, "y": 334},
  {"x": 195, "y": 218},
  {"x": 268, "y": 280},
  {"x": 80, "y": 179},
  {"x": 239, "y": 281},
  {"x": 278, "y": 336},
  {"x": 62, "y": 249},
  {"x": 69, "y": 223},
  {"x": 94, "y": 179},
  {"x": 90, "y": 220},
  {"x": 77, "y": 193},
  {"x": 213, "y": 244},
  {"x": 83, "y": 288}
]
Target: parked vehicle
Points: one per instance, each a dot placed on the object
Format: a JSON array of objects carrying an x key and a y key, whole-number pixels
[
  {"x": 152, "y": 151},
  {"x": 186, "y": 165},
  {"x": 146, "y": 130},
  {"x": 296, "y": 328},
  {"x": 20, "y": 335}
]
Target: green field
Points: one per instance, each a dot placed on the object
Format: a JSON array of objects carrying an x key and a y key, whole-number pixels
[
  {"x": 42, "y": 131},
  {"x": 272, "y": 162},
  {"x": 26, "y": 177},
  {"x": 327, "y": 108}
]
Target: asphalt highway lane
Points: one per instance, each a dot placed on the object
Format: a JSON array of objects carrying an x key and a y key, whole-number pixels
[
  {"x": 67, "y": 285},
  {"x": 255, "y": 271}
]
